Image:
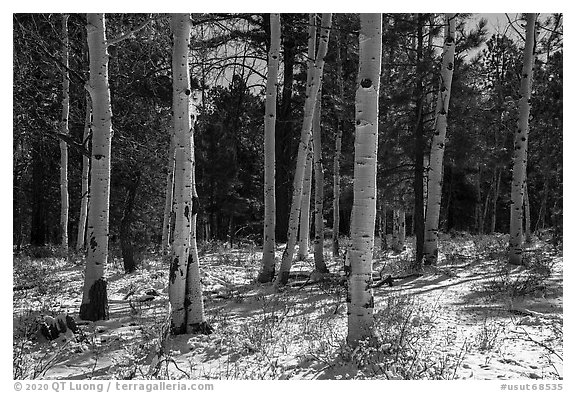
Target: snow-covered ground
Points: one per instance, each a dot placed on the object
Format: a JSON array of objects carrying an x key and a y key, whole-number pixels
[{"x": 472, "y": 317}]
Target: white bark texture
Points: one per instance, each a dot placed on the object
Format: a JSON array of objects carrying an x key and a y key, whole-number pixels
[
  {"x": 268, "y": 256},
  {"x": 319, "y": 263},
  {"x": 80, "y": 239},
  {"x": 337, "y": 154},
  {"x": 360, "y": 299},
  {"x": 434, "y": 193},
  {"x": 64, "y": 205},
  {"x": 94, "y": 301},
  {"x": 304, "y": 229},
  {"x": 286, "y": 263},
  {"x": 521, "y": 145},
  {"x": 169, "y": 197},
  {"x": 196, "y": 320},
  {"x": 181, "y": 25}
]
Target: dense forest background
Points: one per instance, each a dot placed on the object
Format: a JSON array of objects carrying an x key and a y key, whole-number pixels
[{"x": 229, "y": 54}]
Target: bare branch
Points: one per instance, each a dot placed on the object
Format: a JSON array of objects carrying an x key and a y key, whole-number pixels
[{"x": 123, "y": 37}]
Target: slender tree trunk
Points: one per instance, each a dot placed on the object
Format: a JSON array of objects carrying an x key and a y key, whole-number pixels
[
  {"x": 304, "y": 230},
  {"x": 360, "y": 299},
  {"x": 338, "y": 151},
  {"x": 80, "y": 239},
  {"x": 541, "y": 221},
  {"x": 64, "y": 130},
  {"x": 527, "y": 226},
  {"x": 195, "y": 318},
  {"x": 268, "y": 258},
  {"x": 125, "y": 230},
  {"x": 38, "y": 224},
  {"x": 498, "y": 176},
  {"x": 95, "y": 299},
  {"x": 438, "y": 145},
  {"x": 168, "y": 201},
  {"x": 284, "y": 132},
  {"x": 282, "y": 278},
  {"x": 521, "y": 145},
  {"x": 383, "y": 230},
  {"x": 419, "y": 146},
  {"x": 399, "y": 233},
  {"x": 478, "y": 217},
  {"x": 486, "y": 202},
  {"x": 319, "y": 263},
  {"x": 181, "y": 25}
]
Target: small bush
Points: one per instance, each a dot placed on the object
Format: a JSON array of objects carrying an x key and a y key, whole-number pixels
[{"x": 529, "y": 279}]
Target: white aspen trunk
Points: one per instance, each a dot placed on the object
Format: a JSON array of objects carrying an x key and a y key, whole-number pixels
[
  {"x": 304, "y": 230},
  {"x": 166, "y": 223},
  {"x": 64, "y": 205},
  {"x": 319, "y": 263},
  {"x": 360, "y": 299},
  {"x": 80, "y": 239},
  {"x": 438, "y": 145},
  {"x": 286, "y": 263},
  {"x": 337, "y": 154},
  {"x": 304, "y": 227},
  {"x": 521, "y": 145},
  {"x": 95, "y": 301},
  {"x": 181, "y": 25},
  {"x": 268, "y": 255},
  {"x": 195, "y": 318}
]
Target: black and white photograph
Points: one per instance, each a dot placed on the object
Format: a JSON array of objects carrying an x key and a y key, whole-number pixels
[{"x": 201, "y": 197}]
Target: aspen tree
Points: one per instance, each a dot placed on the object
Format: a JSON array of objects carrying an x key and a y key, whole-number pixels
[
  {"x": 80, "y": 239},
  {"x": 310, "y": 102},
  {"x": 185, "y": 288},
  {"x": 181, "y": 25},
  {"x": 319, "y": 263},
  {"x": 95, "y": 300},
  {"x": 360, "y": 299},
  {"x": 195, "y": 318},
  {"x": 521, "y": 145},
  {"x": 337, "y": 154},
  {"x": 268, "y": 258},
  {"x": 304, "y": 229},
  {"x": 169, "y": 197},
  {"x": 434, "y": 193},
  {"x": 64, "y": 130}
]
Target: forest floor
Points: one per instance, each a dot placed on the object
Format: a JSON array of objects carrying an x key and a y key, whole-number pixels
[{"x": 471, "y": 317}]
